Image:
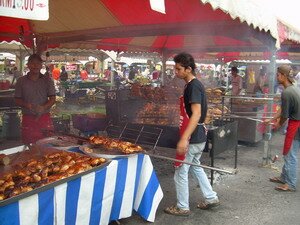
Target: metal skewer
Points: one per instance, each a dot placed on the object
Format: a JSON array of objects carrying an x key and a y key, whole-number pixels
[
  {"x": 192, "y": 164},
  {"x": 247, "y": 117},
  {"x": 236, "y": 112}
]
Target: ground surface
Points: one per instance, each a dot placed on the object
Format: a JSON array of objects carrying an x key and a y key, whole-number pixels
[{"x": 247, "y": 198}]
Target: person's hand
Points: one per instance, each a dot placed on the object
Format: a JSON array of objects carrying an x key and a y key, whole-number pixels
[
  {"x": 276, "y": 124},
  {"x": 182, "y": 146},
  {"x": 39, "y": 109},
  {"x": 268, "y": 121}
]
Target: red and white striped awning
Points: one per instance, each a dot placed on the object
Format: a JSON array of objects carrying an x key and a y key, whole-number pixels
[{"x": 197, "y": 26}]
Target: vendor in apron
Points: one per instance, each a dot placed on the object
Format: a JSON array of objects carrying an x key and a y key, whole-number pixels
[
  {"x": 290, "y": 109},
  {"x": 193, "y": 108},
  {"x": 35, "y": 94}
]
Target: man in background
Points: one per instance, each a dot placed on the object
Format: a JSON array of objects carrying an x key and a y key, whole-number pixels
[
  {"x": 83, "y": 74},
  {"x": 56, "y": 73},
  {"x": 236, "y": 81},
  {"x": 17, "y": 74}
]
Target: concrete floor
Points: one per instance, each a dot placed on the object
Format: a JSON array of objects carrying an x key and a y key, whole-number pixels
[{"x": 247, "y": 198}]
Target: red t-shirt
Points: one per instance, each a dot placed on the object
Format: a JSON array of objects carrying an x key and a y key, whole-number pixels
[
  {"x": 56, "y": 73},
  {"x": 83, "y": 75}
]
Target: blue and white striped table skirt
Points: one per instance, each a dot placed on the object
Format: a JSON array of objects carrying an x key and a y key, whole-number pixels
[{"x": 108, "y": 194}]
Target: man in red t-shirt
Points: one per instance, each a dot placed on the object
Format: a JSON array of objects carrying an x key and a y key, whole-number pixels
[
  {"x": 56, "y": 73},
  {"x": 83, "y": 74}
]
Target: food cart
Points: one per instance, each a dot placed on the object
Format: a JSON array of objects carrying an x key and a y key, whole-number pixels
[{"x": 96, "y": 196}]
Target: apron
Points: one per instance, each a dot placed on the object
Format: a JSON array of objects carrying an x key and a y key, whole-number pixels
[
  {"x": 291, "y": 131},
  {"x": 35, "y": 128},
  {"x": 184, "y": 120}
]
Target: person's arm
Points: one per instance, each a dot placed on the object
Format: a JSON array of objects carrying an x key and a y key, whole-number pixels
[
  {"x": 277, "y": 119},
  {"x": 38, "y": 109},
  {"x": 240, "y": 85},
  {"x": 20, "y": 102},
  {"x": 183, "y": 143},
  {"x": 43, "y": 108}
]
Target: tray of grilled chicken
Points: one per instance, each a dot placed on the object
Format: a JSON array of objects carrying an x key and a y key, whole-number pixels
[
  {"x": 111, "y": 148},
  {"x": 39, "y": 169}
]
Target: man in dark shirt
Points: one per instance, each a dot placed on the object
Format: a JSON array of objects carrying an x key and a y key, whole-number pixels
[
  {"x": 193, "y": 109},
  {"x": 63, "y": 74}
]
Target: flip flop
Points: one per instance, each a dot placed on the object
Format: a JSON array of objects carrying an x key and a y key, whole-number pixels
[
  {"x": 276, "y": 180},
  {"x": 284, "y": 187}
]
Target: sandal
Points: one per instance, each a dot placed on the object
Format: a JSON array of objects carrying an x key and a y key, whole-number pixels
[
  {"x": 276, "y": 180},
  {"x": 207, "y": 205},
  {"x": 284, "y": 187},
  {"x": 174, "y": 210}
]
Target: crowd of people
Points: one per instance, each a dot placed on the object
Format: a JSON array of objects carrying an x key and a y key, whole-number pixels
[{"x": 131, "y": 73}]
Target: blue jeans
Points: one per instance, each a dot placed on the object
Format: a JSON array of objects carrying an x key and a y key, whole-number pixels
[
  {"x": 182, "y": 182},
  {"x": 289, "y": 169}
]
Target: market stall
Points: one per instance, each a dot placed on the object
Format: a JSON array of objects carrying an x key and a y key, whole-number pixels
[
  {"x": 158, "y": 108},
  {"x": 250, "y": 112},
  {"x": 98, "y": 196}
]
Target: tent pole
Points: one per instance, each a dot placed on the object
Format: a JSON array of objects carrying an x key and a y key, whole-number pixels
[
  {"x": 268, "y": 135},
  {"x": 163, "y": 68}
]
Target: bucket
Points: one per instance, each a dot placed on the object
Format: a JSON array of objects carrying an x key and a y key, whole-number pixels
[{"x": 11, "y": 126}]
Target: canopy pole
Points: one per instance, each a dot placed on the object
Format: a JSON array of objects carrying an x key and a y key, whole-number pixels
[
  {"x": 163, "y": 68},
  {"x": 268, "y": 135}
]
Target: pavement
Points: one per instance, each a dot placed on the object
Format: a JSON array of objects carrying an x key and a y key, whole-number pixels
[{"x": 247, "y": 197}]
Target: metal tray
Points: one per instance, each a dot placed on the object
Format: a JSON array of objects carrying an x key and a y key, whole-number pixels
[
  {"x": 58, "y": 142},
  {"x": 104, "y": 153},
  {"x": 51, "y": 185}
]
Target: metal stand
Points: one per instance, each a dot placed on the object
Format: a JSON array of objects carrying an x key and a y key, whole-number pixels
[
  {"x": 212, "y": 163},
  {"x": 267, "y": 153}
]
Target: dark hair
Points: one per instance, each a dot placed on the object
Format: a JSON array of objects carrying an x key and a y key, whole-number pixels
[
  {"x": 35, "y": 56},
  {"x": 234, "y": 69},
  {"x": 186, "y": 60}
]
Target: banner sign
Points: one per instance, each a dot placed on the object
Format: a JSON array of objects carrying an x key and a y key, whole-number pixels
[
  {"x": 71, "y": 67},
  {"x": 25, "y": 9}
]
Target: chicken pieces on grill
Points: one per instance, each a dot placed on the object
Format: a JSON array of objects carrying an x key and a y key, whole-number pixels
[{"x": 109, "y": 143}]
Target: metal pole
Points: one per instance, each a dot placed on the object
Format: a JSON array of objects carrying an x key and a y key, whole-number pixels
[
  {"x": 268, "y": 135},
  {"x": 191, "y": 164}
]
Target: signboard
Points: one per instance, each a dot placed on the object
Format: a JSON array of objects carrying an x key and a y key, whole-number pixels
[
  {"x": 71, "y": 67},
  {"x": 25, "y": 9}
]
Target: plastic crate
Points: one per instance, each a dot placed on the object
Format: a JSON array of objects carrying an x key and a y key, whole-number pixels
[
  {"x": 77, "y": 94},
  {"x": 91, "y": 122}
]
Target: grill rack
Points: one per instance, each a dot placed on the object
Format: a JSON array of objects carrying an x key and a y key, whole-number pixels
[{"x": 138, "y": 134}]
